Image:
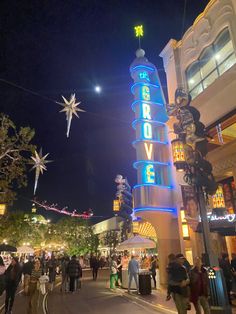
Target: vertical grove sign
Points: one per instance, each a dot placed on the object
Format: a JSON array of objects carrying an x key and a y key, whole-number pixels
[{"x": 151, "y": 144}]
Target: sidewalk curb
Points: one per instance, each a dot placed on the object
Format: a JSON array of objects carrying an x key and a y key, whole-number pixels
[{"x": 156, "y": 306}]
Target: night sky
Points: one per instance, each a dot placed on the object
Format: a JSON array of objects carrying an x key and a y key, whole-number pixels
[{"x": 57, "y": 47}]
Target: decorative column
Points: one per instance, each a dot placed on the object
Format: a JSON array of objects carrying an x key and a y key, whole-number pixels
[{"x": 153, "y": 194}]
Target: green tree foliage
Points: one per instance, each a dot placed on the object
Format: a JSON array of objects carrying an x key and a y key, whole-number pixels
[
  {"x": 15, "y": 150},
  {"x": 111, "y": 239},
  {"x": 18, "y": 228},
  {"x": 76, "y": 235}
]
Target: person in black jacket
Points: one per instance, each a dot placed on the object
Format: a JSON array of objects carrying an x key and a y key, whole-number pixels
[
  {"x": 13, "y": 277},
  {"x": 74, "y": 271},
  {"x": 178, "y": 284},
  {"x": 27, "y": 270},
  {"x": 227, "y": 272},
  {"x": 94, "y": 264}
]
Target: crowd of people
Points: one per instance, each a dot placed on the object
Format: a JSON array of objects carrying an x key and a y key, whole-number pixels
[
  {"x": 188, "y": 284},
  {"x": 34, "y": 274}
]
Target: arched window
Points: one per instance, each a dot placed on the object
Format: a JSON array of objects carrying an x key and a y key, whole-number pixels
[
  {"x": 213, "y": 62},
  {"x": 224, "y": 52},
  {"x": 194, "y": 79}
]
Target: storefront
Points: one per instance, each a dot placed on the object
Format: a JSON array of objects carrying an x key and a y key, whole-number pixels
[{"x": 204, "y": 63}]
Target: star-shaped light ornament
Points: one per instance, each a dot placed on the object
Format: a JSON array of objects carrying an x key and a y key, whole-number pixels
[
  {"x": 39, "y": 164},
  {"x": 70, "y": 108}
]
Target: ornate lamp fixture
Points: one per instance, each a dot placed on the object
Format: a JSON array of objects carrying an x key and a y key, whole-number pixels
[{"x": 178, "y": 154}]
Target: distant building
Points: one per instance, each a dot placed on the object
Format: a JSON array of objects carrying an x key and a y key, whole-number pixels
[
  {"x": 109, "y": 233},
  {"x": 204, "y": 63}
]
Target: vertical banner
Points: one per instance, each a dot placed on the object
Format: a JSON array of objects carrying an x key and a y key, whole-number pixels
[{"x": 190, "y": 205}]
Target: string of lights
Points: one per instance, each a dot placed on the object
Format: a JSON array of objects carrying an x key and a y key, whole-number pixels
[{"x": 54, "y": 207}]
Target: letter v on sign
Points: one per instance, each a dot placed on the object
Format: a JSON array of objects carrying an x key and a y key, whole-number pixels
[{"x": 148, "y": 149}]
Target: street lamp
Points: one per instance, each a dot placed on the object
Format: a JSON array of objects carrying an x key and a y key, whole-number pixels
[{"x": 189, "y": 150}]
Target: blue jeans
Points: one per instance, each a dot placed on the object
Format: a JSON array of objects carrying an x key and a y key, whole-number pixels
[{"x": 131, "y": 276}]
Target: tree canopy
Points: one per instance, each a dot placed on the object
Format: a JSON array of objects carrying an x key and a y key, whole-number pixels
[{"x": 15, "y": 151}]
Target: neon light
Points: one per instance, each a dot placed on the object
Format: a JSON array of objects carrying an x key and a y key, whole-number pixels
[
  {"x": 229, "y": 217},
  {"x": 146, "y": 111},
  {"x": 148, "y": 150},
  {"x": 159, "y": 186},
  {"x": 138, "y": 31},
  {"x": 152, "y": 141},
  {"x": 144, "y": 76},
  {"x": 147, "y": 130},
  {"x": 154, "y": 122},
  {"x": 139, "y": 67},
  {"x": 140, "y": 84},
  {"x": 149, "y": 174},
  {"x": 152, "y": 103},
  {"x": 156, "y": 209},
  {"x": 157, "y": 163},
  {"x": 146, "y": 93}
]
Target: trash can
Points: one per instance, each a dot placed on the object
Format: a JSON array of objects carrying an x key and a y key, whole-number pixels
[{"x": 145, "y": 283}]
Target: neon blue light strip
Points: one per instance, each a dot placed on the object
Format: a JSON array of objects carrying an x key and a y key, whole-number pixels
[
  {"x": 155, "y": 209},
  {"x": 143, "y": 84},
  {"x": 160, "y": 186},
  {"x": 148, "y": 121},
  {"x": 158, "y": 163},
  {"x": 148, "y": 141},
  {"x": 141, "y": 67},
  {"x": 152, "y": 103}
]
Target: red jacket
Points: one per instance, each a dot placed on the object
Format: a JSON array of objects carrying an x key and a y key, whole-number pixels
[{"x": 199, "y": 284}]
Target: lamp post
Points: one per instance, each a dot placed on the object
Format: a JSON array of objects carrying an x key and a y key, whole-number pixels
[{"x": 189, "y": 150}]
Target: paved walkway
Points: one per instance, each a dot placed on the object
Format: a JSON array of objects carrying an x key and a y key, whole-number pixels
[{"x": 95, "y": 297}]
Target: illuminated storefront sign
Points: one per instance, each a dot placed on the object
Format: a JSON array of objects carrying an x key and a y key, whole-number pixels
[
  {"x": 228, "y": 217},
  {"x": 151, "y": 144}
]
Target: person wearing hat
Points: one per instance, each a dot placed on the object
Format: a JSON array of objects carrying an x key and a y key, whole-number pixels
[{"x": 178, "y": 283}]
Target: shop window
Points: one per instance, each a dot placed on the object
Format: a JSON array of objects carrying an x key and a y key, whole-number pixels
[{"x": 213, "y": 62}]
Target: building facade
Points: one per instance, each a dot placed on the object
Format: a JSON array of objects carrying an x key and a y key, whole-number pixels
[{"x": 204, "y": 63}]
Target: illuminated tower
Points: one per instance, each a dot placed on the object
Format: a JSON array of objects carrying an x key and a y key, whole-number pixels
[
  {"x": 153, "y": 194},
  {"x": 151, "y": 144}
]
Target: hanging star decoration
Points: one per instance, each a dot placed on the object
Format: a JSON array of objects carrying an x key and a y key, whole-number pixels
[
  {"x": 39, "y": 164},
  {"x": 70, "y": 108},
  {"x": 64, "y": 211}
]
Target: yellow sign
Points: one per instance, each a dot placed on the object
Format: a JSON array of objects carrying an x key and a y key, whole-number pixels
[
  {"x": 2, "y": 209},
  {"x": 138, "y": 31},
  {"x": 116, "y": 205},
  {"x": 135, "y": 225}
]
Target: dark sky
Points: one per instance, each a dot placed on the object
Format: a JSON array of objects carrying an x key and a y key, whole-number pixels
[{"x": 56, "y": 47}]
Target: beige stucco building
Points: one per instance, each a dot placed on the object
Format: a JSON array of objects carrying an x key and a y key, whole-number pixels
[{"x": 204, "y": 63}]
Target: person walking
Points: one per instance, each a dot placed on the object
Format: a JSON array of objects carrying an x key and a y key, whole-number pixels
[
  {"x": 27, "y": 270},
  {"x": 133, "y": 270},
  {"x": 64, "y": 276},
  {"x": 74, "y": 271},
  {"x": 94, "y": 265},
  {"x": 227, "y": 272},
  {"x": 34, "y": 293},
  {"x": 2, "y": 275},
  {"x": 171, "y": 260},
  {"x": 178, "y": 284},
  {"x": 119, "y": 271},
  {"x": 199, "y": 287},
  {"x": 113, "y": 273},
  {"x": 13, "y": 277},
  {"x": 154, "y": 266},
  {"x": 52, "y": 266}
]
